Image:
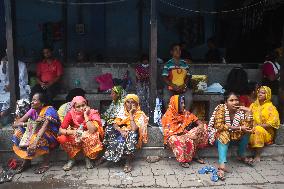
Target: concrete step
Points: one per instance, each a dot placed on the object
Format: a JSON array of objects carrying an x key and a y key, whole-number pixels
[{"x": 154, "y": 147}]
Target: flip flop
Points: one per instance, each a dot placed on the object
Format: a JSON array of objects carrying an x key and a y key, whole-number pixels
[
  {"x": 198, "y": 160},
  {"x": 127, "y": 169},
  {"x": 69, "y": 165},
  {"x": 185, "y": 165},
  {"x": 42, "y": 169},
  {"x": 246, "y": 161},
  {"x": 221, "y": 174},
  {"x": 6, "y": 175},
  {"x": 89, "y": 164},
  {"x": 24, "y": 166}
]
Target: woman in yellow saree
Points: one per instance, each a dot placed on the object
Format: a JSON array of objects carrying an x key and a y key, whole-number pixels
[
  {"x": 127, "y": 133},
  {"x": 266, "y": 121}
]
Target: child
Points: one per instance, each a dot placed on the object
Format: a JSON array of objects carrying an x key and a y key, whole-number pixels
[{"x": 176, "y": 76}]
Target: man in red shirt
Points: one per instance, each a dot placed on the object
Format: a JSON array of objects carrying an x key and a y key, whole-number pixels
[{"x": 48, "y": 71}]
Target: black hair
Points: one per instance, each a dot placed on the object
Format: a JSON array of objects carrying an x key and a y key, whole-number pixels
[
  {"x": 212, "y": 40},
  {"x": 42, "y": 98},
  {"x": 75, "y": 92},
  {"x": 251, "y": 87},
  {"x": 48, "y": 47},
  {"x": 271, "y": 56},
  {"x": 227, "y": 95},
  {"x": 174, "y": 45},
  {"x": 144, "y": 57},
  {"x": 237, "y": 81}
]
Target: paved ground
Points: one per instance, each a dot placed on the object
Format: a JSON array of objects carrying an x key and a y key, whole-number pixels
[{"x": 163, "y": 174}]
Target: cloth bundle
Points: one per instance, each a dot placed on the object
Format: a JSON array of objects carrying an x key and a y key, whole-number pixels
[{"x": 210, "y": 169}]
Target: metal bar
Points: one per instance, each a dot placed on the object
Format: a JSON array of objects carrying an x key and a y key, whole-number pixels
[
  {"x": 153, "y": 59},
  {"x": 11, "y": 53}
]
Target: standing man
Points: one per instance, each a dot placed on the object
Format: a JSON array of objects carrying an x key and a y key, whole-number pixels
[
  {"x": 176, "y": 75},
  {"x": 49, "y": 72}
]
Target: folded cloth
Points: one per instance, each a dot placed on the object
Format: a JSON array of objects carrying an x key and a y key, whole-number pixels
[{"x": 215, "y": 88}]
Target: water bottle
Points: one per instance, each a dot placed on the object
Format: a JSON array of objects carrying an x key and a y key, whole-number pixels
[
  {"x": 77, "y": 83},
  {"x": 79, "y": 133}
]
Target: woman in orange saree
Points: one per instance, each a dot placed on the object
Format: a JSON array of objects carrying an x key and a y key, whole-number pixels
[{"x": 183, "y": 132}]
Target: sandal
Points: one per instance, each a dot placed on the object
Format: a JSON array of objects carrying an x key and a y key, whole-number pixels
[
  {"x": 221, "y": 174},
  {"x": 185, "y": 165},
  {"x": 24, "y": 166},
  {"x": 89, "y": 164},
  {"x": 42, "y": 169},
  {"x": 6, "y": 175},
  {"x": 127, "y": 168},
  {"x": 246, "y": 161},
  {"x": 100, "y": 161},
  {"x": 199, "y": 160},
  {"x": 69, "y": 165}
]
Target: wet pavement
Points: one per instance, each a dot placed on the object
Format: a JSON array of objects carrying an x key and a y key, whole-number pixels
[{"x": 166, "y": 173}]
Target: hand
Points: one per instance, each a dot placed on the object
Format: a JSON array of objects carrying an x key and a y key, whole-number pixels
[
  {"x": 40, "y": 119},
  {"x": 133, "y": 110},
  {"x": 124, "y": 133},
  {"x": 201, "y": 127},
  {"x": 86, "y": 112},
  {"x": 72, "y": 132},
  {"x": 192, "y": 136},
  {"x": 246, "y": 129},
  {"x": 32, "y": 147},
  {"x": 243, "y": 108}
]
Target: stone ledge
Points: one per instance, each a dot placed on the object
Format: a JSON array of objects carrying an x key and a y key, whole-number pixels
[{"x": 154, "y": 147}]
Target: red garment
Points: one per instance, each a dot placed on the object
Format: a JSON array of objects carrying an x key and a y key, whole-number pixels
[
  {"x": 244, "y": 100},
  {"x": 142, "y": 72},
  {"x": 267, "y": 69},
  {"x": 46, "y": 72}
]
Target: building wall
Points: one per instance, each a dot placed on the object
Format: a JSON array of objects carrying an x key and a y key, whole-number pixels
[{"x": 110, "y": 30}]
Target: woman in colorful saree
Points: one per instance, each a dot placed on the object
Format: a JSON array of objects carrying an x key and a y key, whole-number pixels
[
  {"x": 230, "y": 123},
  {"x": 35, "y": 133},
  {"x": 81, "y": 130},
  {"x": 116, "y": 106},
  {"x": 183, "y": 132},
  {"x": 128, "y": 132},
  {"x": 265, "y": 121}
]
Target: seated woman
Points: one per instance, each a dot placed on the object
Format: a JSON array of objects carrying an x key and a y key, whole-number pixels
[
  {"x": 44, "y": 123},
  {"x": 81, "y": 131},
  {"x": 127, "y": 133},
  {"x": 230, "y": 123},
  {"x": 265, "y": 121},
  {"x": 116, "y": 106},
  {"x": 183, "y": 132}
]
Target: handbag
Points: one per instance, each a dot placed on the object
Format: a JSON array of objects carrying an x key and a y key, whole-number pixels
[{"x": 29, "y": 132}]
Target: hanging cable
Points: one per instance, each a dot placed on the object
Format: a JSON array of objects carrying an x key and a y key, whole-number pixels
[
  {"x": 83, "y": 3},
  {"x": 212, "y": 12}
]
